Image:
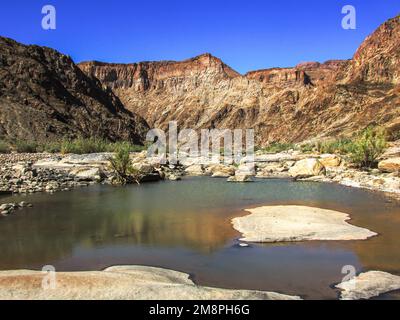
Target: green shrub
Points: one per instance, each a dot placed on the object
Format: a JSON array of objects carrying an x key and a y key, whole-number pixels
[
  {"x": 95, "y": 145},
  {"x": 121, "y": 165},
  {"x": 115, "y": 146},
  {"x": 51, "y": 147},
  {"x": 4, "y": 147},
  {"x": 341, "y": 146},
  {"x": 82, "y": 146},
  {"x": 276, "y": 147},
  {"x": 307, "y": 147},
  {"x": 367, "y": 147},
  {"x": 26, "y": 146}
]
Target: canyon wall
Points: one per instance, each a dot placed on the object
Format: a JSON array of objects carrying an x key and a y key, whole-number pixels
[
  {"x": 44, "y": 96},
  {"x": 311, "y": 100}
]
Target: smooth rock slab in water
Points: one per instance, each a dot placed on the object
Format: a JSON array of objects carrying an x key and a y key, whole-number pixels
[
  {"x": 369, "y": 284},
  {"x": 297, "y": 223},
  {"x": 119, "y": 283}
]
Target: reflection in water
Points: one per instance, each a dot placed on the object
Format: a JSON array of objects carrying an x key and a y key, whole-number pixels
[{"x": 186, "y": 226}]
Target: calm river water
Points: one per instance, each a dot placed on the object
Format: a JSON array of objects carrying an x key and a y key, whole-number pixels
[{"x": 185, "y": 226}]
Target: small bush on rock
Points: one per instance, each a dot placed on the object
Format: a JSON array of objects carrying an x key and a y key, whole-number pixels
[
  {"x": 121, "y": 165},
  {"x": 367, "y": 147}
]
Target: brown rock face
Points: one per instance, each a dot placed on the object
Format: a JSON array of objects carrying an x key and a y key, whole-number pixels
[
  {"x": 308, "y": 73},
  {"x": 45, "y": 96},
  {"x": 378, "y": 58},
  {"x": 311, "y": 100}
]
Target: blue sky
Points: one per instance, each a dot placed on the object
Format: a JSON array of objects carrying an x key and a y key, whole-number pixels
[{"x": 247, "y": 35}]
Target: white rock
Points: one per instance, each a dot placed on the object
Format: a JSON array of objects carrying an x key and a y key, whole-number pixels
[
  {"x": 195, "y": 170},
  {"x": 120, "y": 283},
  {"x": 297, "y": 223},
  {"x": 369, "y": 284},
  {"x": 85, "y": 173}
]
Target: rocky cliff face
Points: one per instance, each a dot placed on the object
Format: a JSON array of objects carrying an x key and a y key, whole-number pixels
[
  {"x": 308, "y": 73},
  {"x": 378, "y": 58},
  {"x": 45, "y": 96},
  {"x": 311, "y": 100}
]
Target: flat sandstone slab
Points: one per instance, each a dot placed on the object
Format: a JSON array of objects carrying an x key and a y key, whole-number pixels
[
  {"x": 297, "y": 223},
  {"x": 118, "y": 283},
  {"x": 369, "y": 284}
]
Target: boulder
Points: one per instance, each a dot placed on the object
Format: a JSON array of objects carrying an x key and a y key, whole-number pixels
[
  {"x": 220, "y": 171},
  {"x": 307, "y": 168},
  {"x": 195, "y": 170},
  {"x": 390, "y": 165},
  {"x": 89, "y": 174},
  {"x": 143, "y": 167},
  {"x": 246, "y": 169},
  {"x": 330, "y": 160},
  {"x": 368, "y": 284}
]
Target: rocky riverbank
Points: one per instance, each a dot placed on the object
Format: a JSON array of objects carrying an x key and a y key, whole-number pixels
[{"x": 29, "y": 173}]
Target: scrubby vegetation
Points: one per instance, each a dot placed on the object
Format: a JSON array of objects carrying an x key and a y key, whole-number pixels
[
  {"x": 22, "y": 146},
  {"x": 368, "y": 147},
  {"x": 4, "y": 147},
  {"x": 76, "y": 146},
  {"x": 363, "y": 150},
  {"x": 339, "y": 146},
  {"x": 121, "y": 165},
  {"x": 276, "y": 147},
  {"x": 82, "y": 146}
]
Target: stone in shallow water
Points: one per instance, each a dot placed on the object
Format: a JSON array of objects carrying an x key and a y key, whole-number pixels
[
  {"x": 120, "y": 283},
  {"x": 297, "y": 223},
  {"x": 241, "y": 178},
  {"x": 307, "y": 168},
  {"x": 369, "y": 284}
]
